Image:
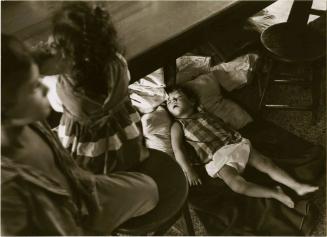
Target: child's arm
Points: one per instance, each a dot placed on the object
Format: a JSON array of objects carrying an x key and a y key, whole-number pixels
[{"x": 177, "y": 140}]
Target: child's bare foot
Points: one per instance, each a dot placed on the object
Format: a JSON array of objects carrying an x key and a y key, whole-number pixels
[
  {"x": 305, "y": 189},
  {"x": 283, "y": 198}
]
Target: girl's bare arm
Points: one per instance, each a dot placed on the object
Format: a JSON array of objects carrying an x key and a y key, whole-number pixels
[{"x": 177, "y": 140}]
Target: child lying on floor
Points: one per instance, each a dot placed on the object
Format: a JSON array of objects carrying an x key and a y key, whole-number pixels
[{"x": 223, "y": 150}]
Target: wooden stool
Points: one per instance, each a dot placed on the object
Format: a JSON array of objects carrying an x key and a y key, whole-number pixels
[
  {"x": 173, "y": 192},
  {"x": 293, "y": 44}
]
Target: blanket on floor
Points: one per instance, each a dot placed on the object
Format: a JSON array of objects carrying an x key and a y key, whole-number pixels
[{"x": 224, "y": 212}]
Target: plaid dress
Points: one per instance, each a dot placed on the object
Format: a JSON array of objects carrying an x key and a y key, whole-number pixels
[
  {"x": 101, "y": 133},
  {"x": 207, "y": 133}
]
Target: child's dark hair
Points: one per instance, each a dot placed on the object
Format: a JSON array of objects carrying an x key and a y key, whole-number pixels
[
  {"x": 86, "y": 36},
  {"x": 186, "y": 91},
  {"x": 15, "y": 68}
]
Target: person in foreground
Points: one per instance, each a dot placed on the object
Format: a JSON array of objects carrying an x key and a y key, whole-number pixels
[
  {"x": 43, "y": 190},
  {"x": 223, "y": 150}
]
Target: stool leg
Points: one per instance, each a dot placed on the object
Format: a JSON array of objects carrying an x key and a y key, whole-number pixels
[
  {"x": 258, "y": 73},
  {"x": 187, "y": 225},
  {"x": 161, "y": 231},
  {"x": 266, "y": 82},
  {"x": 315, "y": 91},
  {"x": 187, "y": 221}
]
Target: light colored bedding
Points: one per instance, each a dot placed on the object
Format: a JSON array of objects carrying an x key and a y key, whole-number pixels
[
  {"x": 196, "y": 74},
  {"x": 156, "y": 130}
]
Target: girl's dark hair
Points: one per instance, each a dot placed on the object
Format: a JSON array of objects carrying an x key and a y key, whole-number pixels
[
  {"x": 186, "y": 91},
  {"x": 15, "y": 67},
  {"x": 86, "y": 36}
]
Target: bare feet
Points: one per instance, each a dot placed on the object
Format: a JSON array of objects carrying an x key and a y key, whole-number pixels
[
  {"x": 305, "y": 189},
  {"x": 283, "y": 198}
]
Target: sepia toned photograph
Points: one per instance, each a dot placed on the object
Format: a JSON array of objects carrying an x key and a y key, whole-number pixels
[{"x": 163, "y": 118}]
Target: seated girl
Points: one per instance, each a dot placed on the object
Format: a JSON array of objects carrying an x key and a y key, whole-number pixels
[
  {"x": 99, "y": 126},
  {"x": 223, "y": 151}
]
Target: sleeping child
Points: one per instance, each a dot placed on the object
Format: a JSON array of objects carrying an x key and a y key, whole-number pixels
[{"x": 223, "y": 151}]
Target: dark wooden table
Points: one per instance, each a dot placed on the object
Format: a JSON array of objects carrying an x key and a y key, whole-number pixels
[{"x": 154, "y": 33}]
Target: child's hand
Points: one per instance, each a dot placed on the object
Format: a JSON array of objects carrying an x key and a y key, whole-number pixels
[{"x": 192, "y": 177}]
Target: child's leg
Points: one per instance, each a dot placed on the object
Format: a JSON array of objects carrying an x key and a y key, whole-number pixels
[
  {"x": 239, "y": 185},
  {"x": 265, "y": 165}
]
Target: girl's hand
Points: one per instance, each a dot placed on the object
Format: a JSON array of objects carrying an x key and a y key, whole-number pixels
[
  {"x": 48, "y": 47},
  {"x": 192, "y": 177},
  {"x": 48, "y": 58}
]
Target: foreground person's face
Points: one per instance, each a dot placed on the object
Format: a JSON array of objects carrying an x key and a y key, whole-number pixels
[{"x": 31, "y": 103}]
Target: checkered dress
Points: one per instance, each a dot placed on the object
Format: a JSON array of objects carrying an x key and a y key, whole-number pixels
[
  {"x": 101, "y": 132},
  {"x": 207, "y": 134}
]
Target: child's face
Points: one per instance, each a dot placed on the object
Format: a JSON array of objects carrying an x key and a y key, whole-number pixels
[
  {"x": 31, "y": 103},
  {"x": 179, "y": 105}
]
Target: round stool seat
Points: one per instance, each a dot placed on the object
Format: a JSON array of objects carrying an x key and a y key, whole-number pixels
[
  {"x": 173, "y": 192},
  {"x": 295, "y": 44}
]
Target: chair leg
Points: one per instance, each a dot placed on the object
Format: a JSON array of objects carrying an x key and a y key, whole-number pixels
[
  {"x": 187, "y": 221},
  {"x": 258, "y": 72},
  {"x": 266, "y": 83},
  {"x": 187, "y": 225},
  {"x": 161, "y": 231},
  {"x": 315, "y": 92}
]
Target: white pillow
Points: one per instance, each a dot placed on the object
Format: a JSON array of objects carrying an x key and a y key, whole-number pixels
[
  {"x": 148, "y": 93},
  {"x": 189, "y": 67},
  {"x": 231, "y": 113},
  {"x": 207, "y": 89},
  {"x": 156, "y": 130},
  {"x": 237, "y": 73}
]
